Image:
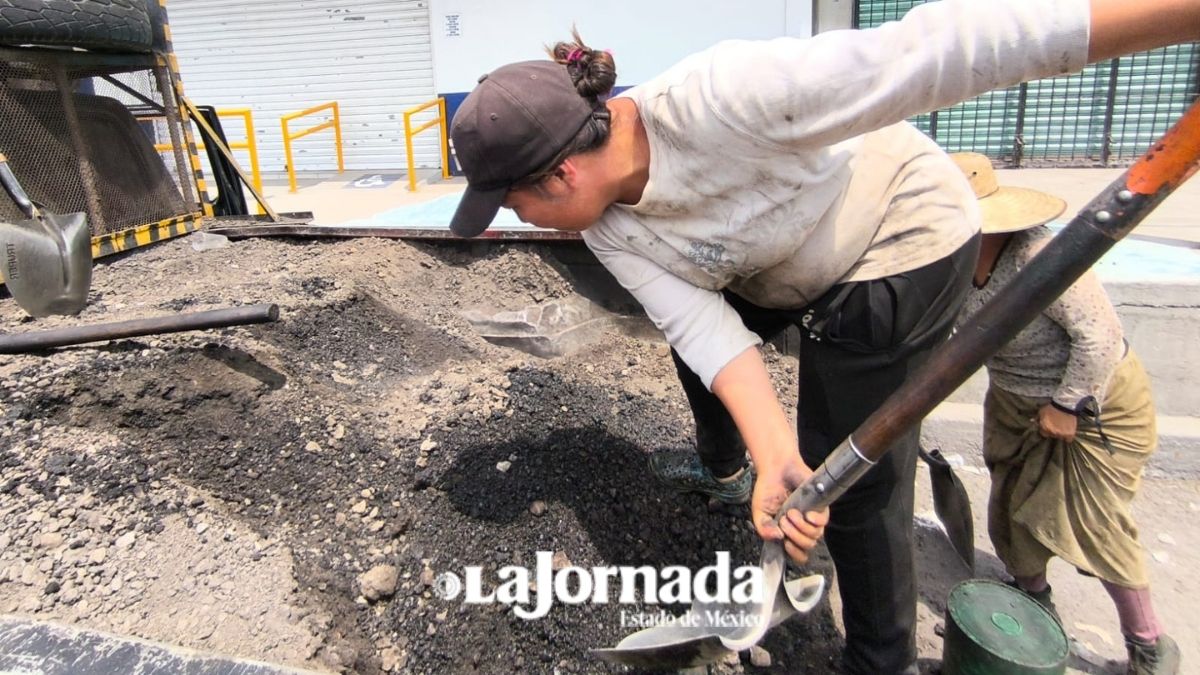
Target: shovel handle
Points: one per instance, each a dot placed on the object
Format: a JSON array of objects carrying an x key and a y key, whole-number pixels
[
  {"x": 1101, "y": 224},
  {"x": 1104, "y": 221},
  {"x": 845, "y": 465},
  {"x": 14, "y": 189}
]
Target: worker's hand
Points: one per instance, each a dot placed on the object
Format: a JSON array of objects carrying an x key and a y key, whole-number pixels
[
  {"x": 799, "y": 531},
  {"x": 1054, "y": 423}
]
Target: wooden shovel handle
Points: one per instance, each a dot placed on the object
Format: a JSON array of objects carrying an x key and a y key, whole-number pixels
[{"x": 1171, "y": 161}]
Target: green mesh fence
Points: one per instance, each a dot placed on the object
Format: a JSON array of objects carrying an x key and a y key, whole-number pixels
[{"x": 1107, "y": 115}]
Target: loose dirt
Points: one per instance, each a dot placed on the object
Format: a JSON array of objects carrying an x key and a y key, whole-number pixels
[
  {"x": 290, "y": 492},
  {"x": 226, "y": 490}
]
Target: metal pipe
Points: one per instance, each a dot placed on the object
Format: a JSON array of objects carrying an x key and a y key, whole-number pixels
[
  {"x": 409, "y": 133},
  {"x": 334, "y": 123},
  {"x": 445, "y": 140},
  {"x": 1019, "y": 132},
  {"x": 408, "y": 151},
  {"x": 21, "y": 343},
  {"x": 337, "y": 137},
  {"x": 1109, "y": 108}
]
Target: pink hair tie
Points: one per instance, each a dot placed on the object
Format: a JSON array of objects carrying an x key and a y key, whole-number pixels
[{"x": 574, "y": 56}]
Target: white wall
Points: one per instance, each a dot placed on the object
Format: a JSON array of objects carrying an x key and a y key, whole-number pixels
[
  {"x": 645, "y": 36},
  {"x": 282, "y": 56}
]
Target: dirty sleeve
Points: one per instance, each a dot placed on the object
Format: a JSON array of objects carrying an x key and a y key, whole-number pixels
[
  {"x": 1097, "y": 339},
  {"x": 706, "y": 331},
  {"x": 837, "y": 85}
]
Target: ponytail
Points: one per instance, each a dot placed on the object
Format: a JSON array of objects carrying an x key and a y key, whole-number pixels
[
  {"x": 593, "y": 73},
  {"x": 592, "y": 70}
]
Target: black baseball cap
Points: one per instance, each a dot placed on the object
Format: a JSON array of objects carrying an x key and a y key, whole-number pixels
[{"x": 518, "y": 118}]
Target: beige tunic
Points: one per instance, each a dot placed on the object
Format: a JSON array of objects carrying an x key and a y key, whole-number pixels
[
  {"x": 1049, "y": 497},
  {"x": 1071, "y": 500}
]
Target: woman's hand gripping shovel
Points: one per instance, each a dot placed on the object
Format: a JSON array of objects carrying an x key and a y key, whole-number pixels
[
  {"x": 1102, "y": 223},
  {"x": 47, "y": 258}
]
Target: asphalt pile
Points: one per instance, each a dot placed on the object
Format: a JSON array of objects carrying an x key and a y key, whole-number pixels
[{"x": 291, "y": 492}]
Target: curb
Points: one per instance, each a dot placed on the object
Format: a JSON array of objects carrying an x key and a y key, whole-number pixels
[{"x": 957, "y": 429}]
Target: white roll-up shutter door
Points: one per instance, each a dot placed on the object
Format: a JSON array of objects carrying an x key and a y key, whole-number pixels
[{"x": 282, "y": 56}]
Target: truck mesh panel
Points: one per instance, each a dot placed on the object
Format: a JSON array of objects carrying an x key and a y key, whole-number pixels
[{"x": 80, "y": 138}]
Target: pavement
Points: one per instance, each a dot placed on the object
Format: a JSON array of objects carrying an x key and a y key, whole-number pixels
[
  {"x": 1175, "y": 218},
  {"x": 333, "y": 198},
  {"x": 1165, "y": 511}
]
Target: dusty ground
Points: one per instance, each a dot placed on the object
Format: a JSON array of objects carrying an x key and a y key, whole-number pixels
[{"x": 227, "y": 490}]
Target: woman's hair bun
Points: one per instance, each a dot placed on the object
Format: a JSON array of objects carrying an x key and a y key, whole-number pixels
[{"x": 592, "y": 70}]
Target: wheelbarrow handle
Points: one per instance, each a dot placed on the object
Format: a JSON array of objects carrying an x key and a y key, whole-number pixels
[{"x": 14, "y": 189}]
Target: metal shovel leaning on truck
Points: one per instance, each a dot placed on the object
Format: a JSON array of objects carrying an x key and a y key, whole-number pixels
[{"x": 47, "y": 257}]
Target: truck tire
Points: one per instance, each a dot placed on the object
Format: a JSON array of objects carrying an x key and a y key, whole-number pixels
[{"x": 109, "y": 25}]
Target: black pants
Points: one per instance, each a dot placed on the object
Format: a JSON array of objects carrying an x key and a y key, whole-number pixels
[{"x": 862, "y": 340}]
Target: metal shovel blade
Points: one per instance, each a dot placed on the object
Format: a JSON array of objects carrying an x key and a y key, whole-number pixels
[
  {"x": 697, "y": 638},
  {"x": 952, "y": 506},
  {"x": 717, "y": 629},
  {"x": 47, "y": 264}
]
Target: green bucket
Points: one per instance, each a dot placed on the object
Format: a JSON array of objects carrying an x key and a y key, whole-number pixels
[{"x": 994, "y": 629}]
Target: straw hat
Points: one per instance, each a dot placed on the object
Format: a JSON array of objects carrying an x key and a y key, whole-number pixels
[{"x": 1006, "y": 209}]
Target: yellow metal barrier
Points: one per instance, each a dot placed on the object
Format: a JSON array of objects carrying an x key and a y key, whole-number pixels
[
  {"x": 409, "y": 132},
  {"x": 335, "y": 122},
  {"x": 250, "y": 145}
]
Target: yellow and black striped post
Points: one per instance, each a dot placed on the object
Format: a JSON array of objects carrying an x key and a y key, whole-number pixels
[
  {"x": 172, "y": 65},
  {"x": 116, "y": 242}
]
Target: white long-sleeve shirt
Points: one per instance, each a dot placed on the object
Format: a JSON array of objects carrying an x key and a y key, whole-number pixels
[{"x": 780, "y": 168}]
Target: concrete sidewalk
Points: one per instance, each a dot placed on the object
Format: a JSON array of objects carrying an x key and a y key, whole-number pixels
[
  {"x": 333, "y": 199},
  {"x": 1175, "y": 218},
  {"x": 328, "y": 196}
]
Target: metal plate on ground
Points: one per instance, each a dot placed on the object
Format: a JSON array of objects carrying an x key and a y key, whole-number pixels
[{"x": 28, "y": 646}]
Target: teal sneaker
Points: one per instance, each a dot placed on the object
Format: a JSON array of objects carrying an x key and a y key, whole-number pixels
[{"x": 683, "y": 472}]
